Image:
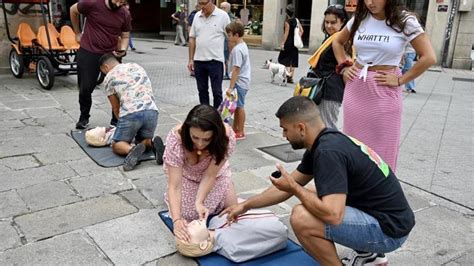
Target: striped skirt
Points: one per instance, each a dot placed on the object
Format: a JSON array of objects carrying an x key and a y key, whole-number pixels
[{"x": 373, "y": 114}]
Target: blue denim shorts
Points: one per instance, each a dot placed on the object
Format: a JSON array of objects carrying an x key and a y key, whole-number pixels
[
  {"x": 139, "y": 125},
  {"x": 241, "y": 96},
  {"x": 362, "y": 232}
]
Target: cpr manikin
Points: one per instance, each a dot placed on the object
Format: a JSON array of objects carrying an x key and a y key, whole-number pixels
[{"x": 254, "y": 234}]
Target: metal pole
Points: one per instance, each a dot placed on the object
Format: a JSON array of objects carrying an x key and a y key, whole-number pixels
[
  {"x": 45, "y": 24},
  {"x": 6, "y": 23},
  {"x": 448, "y": 33}
]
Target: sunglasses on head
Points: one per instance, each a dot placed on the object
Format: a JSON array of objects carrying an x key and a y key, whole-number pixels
[{"x": 337, "y": 6}]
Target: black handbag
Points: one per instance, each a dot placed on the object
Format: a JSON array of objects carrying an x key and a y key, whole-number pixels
[{"x": 310, "y": 87}]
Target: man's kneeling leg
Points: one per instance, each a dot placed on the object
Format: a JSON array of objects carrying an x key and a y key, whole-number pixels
[
  {"x": 360, "y": 231},
  {"x": 310, "y": 231}
]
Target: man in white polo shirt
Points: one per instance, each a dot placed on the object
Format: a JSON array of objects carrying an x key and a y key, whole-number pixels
[{"x": 206, "y": 50}]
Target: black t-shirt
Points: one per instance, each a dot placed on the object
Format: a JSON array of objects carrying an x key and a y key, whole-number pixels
[
  {"x": 334, "y": 88},
  {"x": 342, "y": 164}
]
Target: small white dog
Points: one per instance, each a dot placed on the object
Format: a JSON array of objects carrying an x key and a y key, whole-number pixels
[{"x": 278, "y": 70}]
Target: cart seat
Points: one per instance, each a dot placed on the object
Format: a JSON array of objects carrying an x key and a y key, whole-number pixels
[
  {"x": 68, "y": 38},
  {"x": 43, "y": 40},
  {"x": 25, "y": 35},
  {"x": 53, "y": 31}
]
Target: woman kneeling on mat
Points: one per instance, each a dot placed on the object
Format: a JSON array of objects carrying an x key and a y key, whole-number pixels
[{"x": 197, "y": 167}]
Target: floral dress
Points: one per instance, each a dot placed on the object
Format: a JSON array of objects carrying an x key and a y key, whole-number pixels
[{"x": 175, "y": 156}]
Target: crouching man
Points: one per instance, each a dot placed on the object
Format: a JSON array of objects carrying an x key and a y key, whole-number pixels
[
  {"x": 131, "y": 96},
  {"x": 358, "y": 202}
]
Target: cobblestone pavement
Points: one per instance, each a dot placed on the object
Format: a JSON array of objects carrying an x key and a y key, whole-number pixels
[{"x": 58, "y": 207}]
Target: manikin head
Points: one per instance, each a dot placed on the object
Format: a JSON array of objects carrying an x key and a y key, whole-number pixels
[
  {"x": 99, "y": 136},
  {"x": 96, "y": 137},
  {"x": 202, "y": 241}
]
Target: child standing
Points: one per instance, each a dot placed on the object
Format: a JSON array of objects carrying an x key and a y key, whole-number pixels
[{"x": 240, "y": 79}]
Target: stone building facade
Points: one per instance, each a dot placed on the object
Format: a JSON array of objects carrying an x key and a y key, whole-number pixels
[{"x": 448, "y": 23}]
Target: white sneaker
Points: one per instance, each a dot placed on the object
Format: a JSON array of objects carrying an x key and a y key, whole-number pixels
[{"x": 365, "y": 258}]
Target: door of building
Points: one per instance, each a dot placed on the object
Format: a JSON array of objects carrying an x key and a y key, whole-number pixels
[
  {"x": 303, "y": 13},
  {"x": 420, "y": 7}
]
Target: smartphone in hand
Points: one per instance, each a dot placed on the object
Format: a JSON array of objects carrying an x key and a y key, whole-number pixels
[{"x": 276, "y": 174}]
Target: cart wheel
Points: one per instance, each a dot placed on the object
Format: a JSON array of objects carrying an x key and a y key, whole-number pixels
[
  {"x": 16, "y": 64},
  {"x": 45, "y": 73}
]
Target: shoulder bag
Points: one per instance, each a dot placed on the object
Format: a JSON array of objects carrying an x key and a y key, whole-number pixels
[
  {"x": 311, "y": 87},
  {"x": 297, "y": 41}
]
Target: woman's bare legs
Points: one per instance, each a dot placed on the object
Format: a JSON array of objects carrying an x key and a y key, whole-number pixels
[{"x": 291, "y": 72}]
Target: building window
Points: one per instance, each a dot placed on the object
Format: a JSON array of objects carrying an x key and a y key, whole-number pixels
[{"x": 249, "y": 12}]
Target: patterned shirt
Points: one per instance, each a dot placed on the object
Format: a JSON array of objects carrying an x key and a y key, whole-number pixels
[{"x": 132, "y": 86}]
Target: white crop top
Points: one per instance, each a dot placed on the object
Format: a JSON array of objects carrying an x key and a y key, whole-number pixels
[{"x": 378, "y": 44}]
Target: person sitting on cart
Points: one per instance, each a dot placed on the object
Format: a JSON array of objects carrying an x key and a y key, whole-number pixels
[
  {"x": 106, "y": 21},
  {"x": 131, "y": 95}
]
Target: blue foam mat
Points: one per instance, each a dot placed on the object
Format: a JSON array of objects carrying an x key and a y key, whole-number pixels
[{"x": 292, "y": 254}]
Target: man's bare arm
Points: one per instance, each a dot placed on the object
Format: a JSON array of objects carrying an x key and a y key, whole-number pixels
[
  {"x": 124, "y": 39},
  {"x": 74, "y": 13},
  {"x": 269, "y": 197},
  {"x": 114, "y": 101}
]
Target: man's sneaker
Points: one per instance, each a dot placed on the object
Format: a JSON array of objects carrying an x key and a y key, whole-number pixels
[
  {"x": 365, "y": 258},
  {"x": 83, "y": 123},
  {"x": 158, "y": 149},
  {"x": 113, "y": 121},
  {"x": 132, "y": 158}
]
